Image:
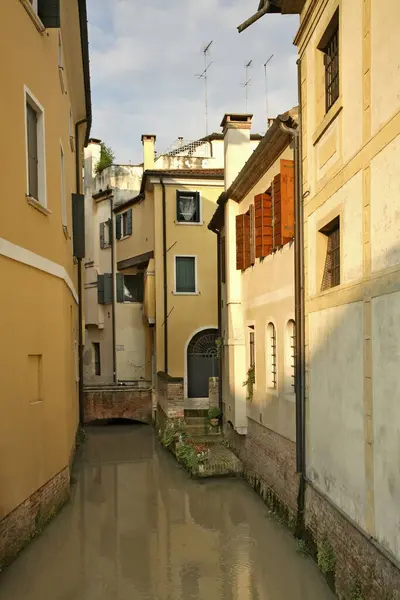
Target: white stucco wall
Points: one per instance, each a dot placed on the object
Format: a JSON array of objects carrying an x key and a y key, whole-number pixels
[
  {"x": 386, "y": 418},
  {"x": 130, "y": 341},
  {"x": 335, "y": 420},
  {"x": 385, "y": 211}
]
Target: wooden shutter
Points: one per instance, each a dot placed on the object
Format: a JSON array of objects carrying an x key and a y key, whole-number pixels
[
  {"x": 120, "y": 288},
  {"x": 118, "y": 227},
  {"x": 31, "y": 124},
  {"x": 49, "y": 13},
  {"x": 129, "y": 222},
  {"x": 108, "y": 288},
  {"x": 276, "y": 212},
  {"x": 287, "y": 200},
  {"x": 110, "y": 232},
  {"x": 102, "y": 243},
  {"x": 252, "y": 244},
  {"x": 263, "y": 224},
  {"x": 78, "y": 225},
  {"x": 242, "y": 242},
  {"x": 100, "y": 289}
]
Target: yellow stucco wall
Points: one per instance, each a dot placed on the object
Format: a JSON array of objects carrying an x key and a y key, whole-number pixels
[{"x": 39, "y": 313}]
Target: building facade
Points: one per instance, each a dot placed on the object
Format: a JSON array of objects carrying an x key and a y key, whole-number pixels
[
  {"x": 44, "y": 122},
  {"x": 254, "y": 222},
  {"x": 349, "y": 62}
]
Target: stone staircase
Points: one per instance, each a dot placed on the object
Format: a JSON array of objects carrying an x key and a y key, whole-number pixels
[{"x": 197, "y": 425}]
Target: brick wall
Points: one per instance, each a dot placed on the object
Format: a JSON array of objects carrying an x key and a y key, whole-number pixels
[
  {"x": 118, "y": 403},
  {"x": 270, "y": 466},
  {"x": 358, "y": 559},
  {"x": 170, "y": 395},
  {"x": 29, "y": 518}
]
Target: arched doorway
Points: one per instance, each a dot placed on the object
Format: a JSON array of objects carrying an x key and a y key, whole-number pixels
[{"x": 202, "y": 362}]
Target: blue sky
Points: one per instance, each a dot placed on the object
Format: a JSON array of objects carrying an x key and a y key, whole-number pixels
[{"x": 144, "y": 57}]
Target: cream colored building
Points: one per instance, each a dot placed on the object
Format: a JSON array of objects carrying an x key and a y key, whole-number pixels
[
  {"x": 255, "y": 226},
  {"x": 45, "y": 120},
  {"x": 350, "y": 108}
]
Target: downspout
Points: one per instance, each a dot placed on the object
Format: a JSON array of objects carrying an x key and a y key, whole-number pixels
[
  {"x": 164, "y": 234},
  {"x": 260, "y": 13},
  {"x": 299, "y": 305},
  {"x": 219, "y": 299},
  {"x": 80, "y": 291},
  {"x": 113, "y": 278}
]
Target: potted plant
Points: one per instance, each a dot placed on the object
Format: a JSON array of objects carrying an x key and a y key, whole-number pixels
[{"x": 214, "y": 415}]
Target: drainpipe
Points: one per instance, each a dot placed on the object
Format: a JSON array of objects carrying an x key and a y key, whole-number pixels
[
  {"x": 164, "y": 234},
  {"x": 113, "y": 290},
  {"x": 219, "y": 274},
  {"x": 78, "y": 167},
  {"x": 299, "y": 302}
]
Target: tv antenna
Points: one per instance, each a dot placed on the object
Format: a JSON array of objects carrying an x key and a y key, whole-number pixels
[
  {"x": 266, "y": 85},
  {"x": 204, "y": 75},
  {"x": 247, "y": 80}
]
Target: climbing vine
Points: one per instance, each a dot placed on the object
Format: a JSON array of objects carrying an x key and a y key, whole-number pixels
[
  {"x": 326, "y": 557},
  {"x": 250, "y": 381}
]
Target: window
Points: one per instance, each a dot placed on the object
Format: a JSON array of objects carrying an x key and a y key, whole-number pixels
[
  {"x": 123, "y": 224},
  {"x": 35, "y": 150},
  {"x": 97, "y": 361},
  {"x": 133, "y": 288},
  {"x": 291, "y": 356},
  {"x": 329, "y": 45},
  {"x": 271, "y": 356},
  {"x": 105, "y": 234},
  {"x": 185, "y": 275},
  {"x": 63, "y": 198},
  {"x": 252, "y": 348},
  {"x": 331, "y": 276},
  {"x": 188, "y": 207}
]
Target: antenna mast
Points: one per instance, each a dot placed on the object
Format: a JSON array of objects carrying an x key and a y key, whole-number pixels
[
  {"x": 247, "y": 80},
  {"x": 266, "y": 86},
  {"x": 204, "y": 75}
]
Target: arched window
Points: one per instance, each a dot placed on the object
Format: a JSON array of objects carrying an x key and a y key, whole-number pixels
[
  {"x": 290, "y": 356},
  {"x": 271, "y": 357}
]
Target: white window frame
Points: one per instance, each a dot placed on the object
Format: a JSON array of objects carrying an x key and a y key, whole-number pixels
[
  {"x": 268, "y": 357},
  {"x": 125, "y": 235},
  {"x": 196, "y": 292},
  {"x": 289, "y": 356},
  {"x": 40, "y": 202},
  {"x": 251, "y": 329},
  {"x": 197, "y": 223},
  {"x": 64, "y": 216}
]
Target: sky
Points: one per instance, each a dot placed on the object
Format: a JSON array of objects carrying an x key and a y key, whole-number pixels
[{"x": 144, "y": 57}]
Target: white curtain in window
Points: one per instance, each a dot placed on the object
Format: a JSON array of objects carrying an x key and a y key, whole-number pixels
[{"x": 187, "y": 207}]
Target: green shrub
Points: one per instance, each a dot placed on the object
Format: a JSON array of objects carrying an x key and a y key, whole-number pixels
[{"x": 214, "y": 412}]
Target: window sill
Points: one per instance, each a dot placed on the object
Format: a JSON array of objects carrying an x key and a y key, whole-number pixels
[
  {"x": 36, "y": 204},
  {"x": 124, "y": 237},
  {"x": 186, "y": 293},
  {"x": 189, "y": 223},
  {"x": 33, "y": 15},
  {"x": 327, "y": 120}
]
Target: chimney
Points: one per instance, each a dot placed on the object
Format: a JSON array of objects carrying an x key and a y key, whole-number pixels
[
  {"x": 92, "y": 157},
  {"x": 236, "y": 129},
  {"x": 148, "y": 142}
]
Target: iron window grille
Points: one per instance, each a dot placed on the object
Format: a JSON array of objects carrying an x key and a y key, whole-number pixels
[
  {"x": 272, "y": 355},
  {"x": 97, "y": 361},
  {"x": 330, "y": 49},
  {"x": 187, "y": 207},
  {"x": 292, "y": 350},
  {"x": 252, "y": 346},
  {"x": 331, "y": 277}
]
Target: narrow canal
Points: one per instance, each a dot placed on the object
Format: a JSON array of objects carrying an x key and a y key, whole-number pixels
[{"x": 139, "y": 529}]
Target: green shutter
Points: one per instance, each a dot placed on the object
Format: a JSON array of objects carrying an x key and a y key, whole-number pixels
[
  {"x": 185, "y": 274},
  {"x": 118, "y": 227},
  {"x": 108, "y": 288},
  {"x": 110, "y": 232},
  {"x": 129, "y": 222},
  {"x": 100, "y": 289},
  {"x": 120, "y": 287},
  {"x": 49, "y": 13},
  {"x": 102, "y": 235}
]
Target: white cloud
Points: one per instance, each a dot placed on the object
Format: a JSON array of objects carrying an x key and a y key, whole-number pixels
[{"x": 144, "y": 57}]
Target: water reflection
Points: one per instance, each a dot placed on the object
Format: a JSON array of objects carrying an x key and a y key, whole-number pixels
[{"x": 138, "y": 528}]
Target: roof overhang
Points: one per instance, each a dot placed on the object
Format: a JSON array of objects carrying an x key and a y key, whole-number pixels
[{"x": 140, "y": 260}]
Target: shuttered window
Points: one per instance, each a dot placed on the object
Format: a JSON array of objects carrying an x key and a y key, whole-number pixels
[
  {"x": 276, "y": 212},
  {"x": 123, "y": 224},
  {"x": 33, "y": 162},
  {"x": 252, "y": 250},
  {"x": 242, "y": 242},
  {"x": 263, "y": 225},
  {"x": 287, "y": 200},
  {"x": 185, "y": 275},
  {"x": 104, "y": 288},
  {"x": 105, "y": 234},
  {"x": 49, "y": 12},
  {"x": 133, "y": 288}
]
